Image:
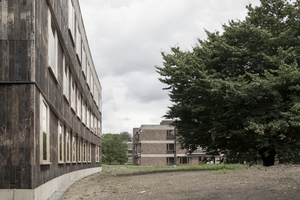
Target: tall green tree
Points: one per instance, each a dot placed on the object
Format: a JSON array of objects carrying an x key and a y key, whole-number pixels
[
  {"x": 125, "y": 136},
  {"x": 237, "y": 92},
  {"x": 114, "y": 149}
]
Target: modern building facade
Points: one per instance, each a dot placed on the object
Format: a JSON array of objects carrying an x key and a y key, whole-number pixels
[
  {"x": 50, "y": 99},
  {"x": 156, "y": 145}
]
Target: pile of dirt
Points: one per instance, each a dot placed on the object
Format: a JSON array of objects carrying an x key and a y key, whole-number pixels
[{"x": 276, "y": 183}]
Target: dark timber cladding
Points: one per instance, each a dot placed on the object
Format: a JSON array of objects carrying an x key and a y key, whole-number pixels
[
  {"x": 27, "y": 79},
  {"x": 16, "y": 109}
]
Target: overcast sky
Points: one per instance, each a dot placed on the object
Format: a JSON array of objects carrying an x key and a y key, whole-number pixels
[{"x": 126, "y": 38}]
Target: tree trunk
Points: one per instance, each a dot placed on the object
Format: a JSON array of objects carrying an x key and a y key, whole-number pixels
[{"x": 268, "y": 156}]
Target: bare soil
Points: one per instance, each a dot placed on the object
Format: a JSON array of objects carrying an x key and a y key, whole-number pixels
[{"x": 275, "y": 183}]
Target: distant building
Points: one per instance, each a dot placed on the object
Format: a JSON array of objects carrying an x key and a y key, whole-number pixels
[
  {"x": 129, "y": 151},
  {"x": 157, "y": 145},
  {"x": 50, "y": 99}
]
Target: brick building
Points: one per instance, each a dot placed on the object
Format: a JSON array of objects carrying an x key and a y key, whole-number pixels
[
  {"x": 157, "y": 145},
  {"x": 129, "y": 152},
  {"x": 50, "y": 99}
]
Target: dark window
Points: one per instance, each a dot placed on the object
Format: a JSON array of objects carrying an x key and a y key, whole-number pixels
[
  {"x": 170, "y": 160},
  {"x": 170, "y": 148},
  {"x": 184, "y": 160},
  {"x": 170, "y": 134}
]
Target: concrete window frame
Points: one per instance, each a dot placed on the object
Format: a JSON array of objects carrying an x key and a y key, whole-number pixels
[
  {"x": 78, "y": 43},
  {"x": 74, "y": 143},
  {"x": 71, "y": 20},
  {"x": 79, "y": 98},
  {"x": 60, "y": 143},
  {"x": 44, "y": 132},
  {"x": 89, "y": 152},
  {"x": 79, "y": 150},
  {"x": 52, "y": 46},
  {"x": 97, "y": 153},
  {"x": 84, "y": 151},
  {"x": 68, "y": 146},
  {"x": 73, "y": 94},
  {"x": 66, "y": 80}
]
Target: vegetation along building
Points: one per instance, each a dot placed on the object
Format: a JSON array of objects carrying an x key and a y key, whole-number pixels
[
  {"x": 157, "y": 145},
  {"x": 50, "y": 99}
]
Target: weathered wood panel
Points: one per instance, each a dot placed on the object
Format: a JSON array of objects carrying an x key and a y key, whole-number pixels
[
  {"x": 2, "y": 130},
  {"x": 4, "y": 59},
  {"x": 6, "y": 184},
  {"x": 20, "y": 46},
  {"x": 15, "y": 60},
  {"x": 17, "y": 20},
  {"x": 15, "y": 148},
  {"x": 1, "y": 176},
  {"x": 15, "y": 126}
]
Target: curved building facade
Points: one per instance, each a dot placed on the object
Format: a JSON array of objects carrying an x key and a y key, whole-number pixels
[{"x": 50, "y": 99}]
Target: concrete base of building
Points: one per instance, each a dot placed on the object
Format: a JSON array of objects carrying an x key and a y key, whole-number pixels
[{"x": 51, "y": 190}]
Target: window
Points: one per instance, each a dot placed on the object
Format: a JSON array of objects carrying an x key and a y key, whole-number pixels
[
  {"x": 71, "y": 19},
  {"x": 92, "y": 123},
  {"x": 78, "y": 43},
  {"x": 83, "y": 62},
  {"x": 79, "y": 150},
  {"x": 68, "y": 146},
  {"x": 73, "y": 96},
  {"x": 44, "y": 132},
  {"x": 73, "y": 148},
  {"x": 88, "y": 78},
  {"x": 60, "y": 142},
  {"x": 170, "y": 160},
  {"x": 95, "y": 124},
  {"x": 78, "y": 104},
  {"x": 52, "y": 45},
  {"x": 89, "y": 152},
  {"x": 92, "y": 85},
  {"x": 170, "y": 134},
  {"x": 88, "y": 118},
  {"x": 99, "y": 128},
  {"x": 100, "y": 101},
  {"x": 95, "y": 91},
  {"x": 170, "y": 148},
  {"x": 184, "y": 160},
  {"x": 96, "y": 96},
  {"x": 66, "y": 79},
  {"x": 83, "y": 112},
  {"x": 84, "y": 151},
  {"x": 97, "y": 153}
]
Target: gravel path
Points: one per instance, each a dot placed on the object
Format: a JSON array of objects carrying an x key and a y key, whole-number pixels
[{"x": 275, "y": 183}]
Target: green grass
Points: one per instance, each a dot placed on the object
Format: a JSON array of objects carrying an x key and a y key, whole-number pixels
[{"x": 130, "y": 169}]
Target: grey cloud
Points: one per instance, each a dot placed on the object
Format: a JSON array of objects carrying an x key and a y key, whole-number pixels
[
  {"x": 144, "y": 88},
  {"x": 126, "y": 38}
]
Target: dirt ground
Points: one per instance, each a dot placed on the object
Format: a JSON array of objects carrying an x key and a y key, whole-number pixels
[{"x": 275, "y": 183}]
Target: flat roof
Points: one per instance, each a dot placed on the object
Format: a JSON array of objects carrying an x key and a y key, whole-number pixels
[{"x": 156, "y": 126}]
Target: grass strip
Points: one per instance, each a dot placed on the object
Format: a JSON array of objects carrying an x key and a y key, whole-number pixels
[{"x": 131, "y": 169}]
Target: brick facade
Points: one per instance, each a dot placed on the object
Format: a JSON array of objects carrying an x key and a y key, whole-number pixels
[
  {"x": 155, "y": 145},
  {"x": 153, "y": 161}
]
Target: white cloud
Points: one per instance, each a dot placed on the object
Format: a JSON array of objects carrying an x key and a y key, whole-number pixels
[{"x": 126, "y": 38}]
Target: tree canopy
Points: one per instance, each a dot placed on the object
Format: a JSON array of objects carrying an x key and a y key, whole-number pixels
[
  {"x": 237, "y": 92},
  {"x": 114, "y": 149},
  {"x": 125, "y": 136}
]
